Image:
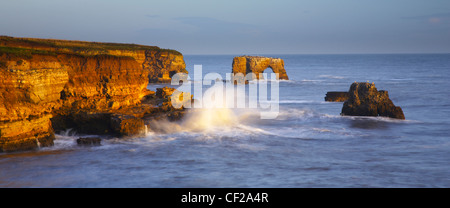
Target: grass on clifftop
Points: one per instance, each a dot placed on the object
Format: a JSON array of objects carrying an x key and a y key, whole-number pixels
[
  {"x": 23, "y": 52},
  {"x": 26, "y": 53},
  {"x": 76, "y": 46}
]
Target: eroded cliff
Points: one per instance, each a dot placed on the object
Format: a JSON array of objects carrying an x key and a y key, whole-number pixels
[
  {"x": 49, "y": 85},
  {"x": 160, "y": 64}
]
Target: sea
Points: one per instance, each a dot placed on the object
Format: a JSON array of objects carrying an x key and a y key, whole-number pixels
[{"x": 308, "y": 144}]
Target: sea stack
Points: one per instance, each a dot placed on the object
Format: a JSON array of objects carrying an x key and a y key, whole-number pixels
[
  {"x": 257, "y": 65},
  {"x": 365, "y": 100}
]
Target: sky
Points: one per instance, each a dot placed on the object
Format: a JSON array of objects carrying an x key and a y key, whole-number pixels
[{"x": 240, "y": 26}]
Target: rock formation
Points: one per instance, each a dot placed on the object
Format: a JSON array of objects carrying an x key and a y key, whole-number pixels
[
  {"x": 162, "y": 65},
  {"x": 257, "y": 65},
  {"x": 366, "y": 100},
  {"x": 336, "y": 96},
  {"x": 89, "y": 141},
  {"x": 99, "y": 88}
]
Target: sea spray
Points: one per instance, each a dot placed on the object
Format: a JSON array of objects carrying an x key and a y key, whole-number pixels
[
  {"x": 213, "y": 98},
  {"x": 38, "y": 143},
  {"x": 219, "y": 113}
]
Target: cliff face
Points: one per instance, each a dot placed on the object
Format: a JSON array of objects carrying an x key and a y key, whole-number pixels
[
  {"x": 104, "y": 76},
  {"x": 30, "y": 90},
  {"x": 162, "y": 65},
  {"x": 48, "y": 85},
  {"x": 257, "y": 65}
]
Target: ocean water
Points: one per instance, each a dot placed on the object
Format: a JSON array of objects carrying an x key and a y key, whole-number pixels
[{"x": 308, "y": 145}]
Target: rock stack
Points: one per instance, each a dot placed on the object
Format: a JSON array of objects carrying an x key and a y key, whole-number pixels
[{"x": 365, "y": 100}]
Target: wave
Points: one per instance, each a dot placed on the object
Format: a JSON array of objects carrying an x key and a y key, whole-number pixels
[
  {"x": 331, "y": 76},
  {"x": 303, "y": 102},
  {"x": 65, "y": 140},
  {"x": 378, "y": 118},
  {"x": 312, "y": 80},
  {"x": 271, "y": 80},
  {"x": 294, "y": 113},
  {"x": 217, "y": 123},
  {"x": 401, "y": 79}
]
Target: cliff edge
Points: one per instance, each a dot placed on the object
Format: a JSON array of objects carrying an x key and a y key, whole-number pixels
[{"x": 49, "y": 85}]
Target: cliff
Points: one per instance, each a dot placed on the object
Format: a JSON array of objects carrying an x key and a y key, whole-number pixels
[
  {"x": 365, "y": 100},
  {"x": 257, "y": 65},
  {"x": 49, "y": 85},
  {"x": 160, "y": 64}
]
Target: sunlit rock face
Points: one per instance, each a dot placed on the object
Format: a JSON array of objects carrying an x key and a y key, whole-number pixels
[
  {"x": 336, "y": 96},
  {"x": 162, "y": 65},
  {"x": 365, "y": 100},
  {"x": 49, "y": 85},
  {"x": 257, "y": 65}
]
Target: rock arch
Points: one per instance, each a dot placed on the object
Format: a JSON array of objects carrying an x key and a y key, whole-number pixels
[{"x": 257, "y": 65}]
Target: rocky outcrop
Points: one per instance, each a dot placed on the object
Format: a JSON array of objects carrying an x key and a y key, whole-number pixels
[
  {"x": 366, "y": 100},
  {"x": 88, "y": 141},
  {"x": 49, "y": 85},
  {"x": 257, "y": 65},
  {"x": 162, "y": 65},
  {"x": 336, "y": 96}
]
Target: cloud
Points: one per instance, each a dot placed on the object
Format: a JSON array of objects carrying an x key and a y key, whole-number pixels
[
  {"x": 434, "y": 20},
  {"x": 192, "y": 34},
  {"x": 207, "y": 25},
  {"x": 202, "y": 31},
  {"x": 437, "y": 15}
]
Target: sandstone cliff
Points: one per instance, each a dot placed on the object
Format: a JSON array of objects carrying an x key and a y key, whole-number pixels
[
  {"x": 49, "y": 85},
  {"x": 257, "y": 65},
  {"x": 160, "y": 64}
]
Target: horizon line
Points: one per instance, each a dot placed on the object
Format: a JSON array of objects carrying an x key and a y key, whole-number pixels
[{"x": 263, "y": 54}]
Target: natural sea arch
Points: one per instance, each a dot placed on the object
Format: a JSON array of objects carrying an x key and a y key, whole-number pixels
[{"x": 257, "y": 65}]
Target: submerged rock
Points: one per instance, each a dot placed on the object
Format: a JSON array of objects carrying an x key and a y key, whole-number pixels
[
  {"x": 336, "y": 96},
  {"x": 126, "y": 125},
  {"x": 88, "y": 141},
  {"x": 164, "y": 92},
  {"x": 366, "y": 100}
]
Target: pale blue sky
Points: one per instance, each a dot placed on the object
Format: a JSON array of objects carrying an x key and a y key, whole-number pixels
[{"x": 240, "y": 27}]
